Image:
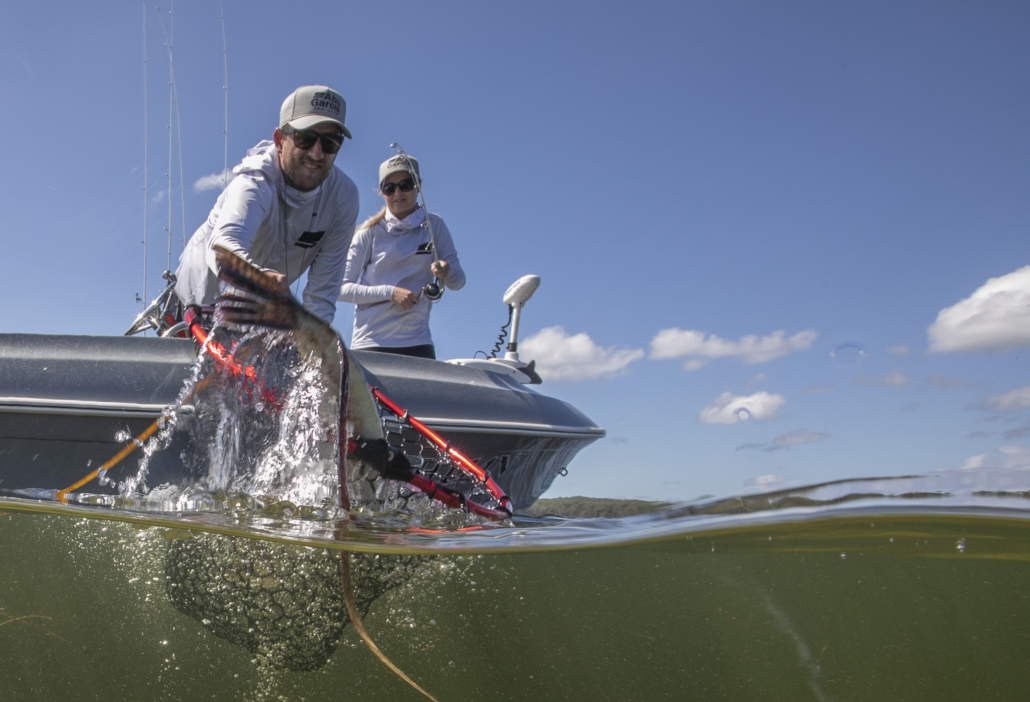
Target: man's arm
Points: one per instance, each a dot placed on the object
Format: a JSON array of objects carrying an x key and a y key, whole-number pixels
[{"x": 245, "y": 205}]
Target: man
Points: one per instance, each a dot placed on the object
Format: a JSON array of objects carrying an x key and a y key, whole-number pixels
[{"x": 287, "y": 210}]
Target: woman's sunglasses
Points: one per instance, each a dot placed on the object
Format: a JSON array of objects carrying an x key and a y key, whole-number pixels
[
  {"x": 304, "y": 139},
  {"x": 406, "y": 186}
]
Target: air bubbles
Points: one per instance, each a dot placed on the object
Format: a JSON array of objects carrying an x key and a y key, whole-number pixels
[
  {"x": 848, "y": 355},
  {"x": 960, "y": 545},
  {"x": 102, "y": 477}
]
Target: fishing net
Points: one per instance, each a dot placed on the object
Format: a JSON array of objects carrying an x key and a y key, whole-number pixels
[
  {"x": 279, "y": 601},
  {"x": 439, "y": 467}
]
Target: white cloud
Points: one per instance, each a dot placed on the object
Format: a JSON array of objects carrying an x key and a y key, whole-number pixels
[
  {"x": 895, "y": 379},
  {"x": 1007, "y": 402},
  {"x": 559, "y": 356},
  {"x": 898, "y": 351},
  {"x": 798, "y": 437},
  {"x": 1011, "y": 457},
  {"x": 215, "y": 181},
  {"x": 751, "y": 349},
  {"x": 755, "y": 380},
  {"x": 764, "y": 480},
  {"x": 994, "y": 318},
  {"x": 791, "y": 438},
  {"x": 974, "y": 462},
  {"x": 728, "y": 408}
]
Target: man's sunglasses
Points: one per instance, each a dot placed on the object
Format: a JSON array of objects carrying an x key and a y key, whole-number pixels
[
  {"x": 304, "y": 139},
  {"x": 406, "y": 186}
]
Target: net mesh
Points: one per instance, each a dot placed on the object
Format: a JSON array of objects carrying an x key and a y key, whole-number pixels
[
  {"x": 282, "y": 602},
  {"x": 369, "y": 489}
]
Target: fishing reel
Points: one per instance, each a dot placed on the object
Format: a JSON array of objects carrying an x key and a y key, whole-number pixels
[{"x": 432, "y": 291}]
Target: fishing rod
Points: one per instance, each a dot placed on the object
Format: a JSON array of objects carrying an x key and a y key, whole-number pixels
[{"x": 433, "y": 291}]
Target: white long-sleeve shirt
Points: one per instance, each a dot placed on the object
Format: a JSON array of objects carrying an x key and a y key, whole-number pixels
[
  {"x": 275, "y": 227},
  {"x": 395, "y": 253}
]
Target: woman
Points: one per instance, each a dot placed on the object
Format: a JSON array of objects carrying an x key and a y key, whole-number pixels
[{"x": 391, "y": 261}]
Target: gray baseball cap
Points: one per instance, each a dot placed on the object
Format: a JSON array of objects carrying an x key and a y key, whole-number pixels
[
  {"x": 400, "y": 162},
  {"x": 313, "y": 104}
]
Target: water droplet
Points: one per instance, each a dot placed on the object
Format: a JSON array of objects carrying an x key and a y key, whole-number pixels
[
  {"x": 960, "y": 545},
  {"x": 843, "y": 555},
  {"x": 102, "y": 477},
  {"x": 451, "y": 664},
  {"x": 743, "y": 415},
  {"x": 848, "y": 354}
]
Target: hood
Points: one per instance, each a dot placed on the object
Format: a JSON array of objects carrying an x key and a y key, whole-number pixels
[{"x": 264, "y": 159}]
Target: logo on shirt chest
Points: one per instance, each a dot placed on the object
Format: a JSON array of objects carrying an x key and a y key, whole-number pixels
[
  {"x": 426, "y": 248},
  {"x": 308, "y": 240}
]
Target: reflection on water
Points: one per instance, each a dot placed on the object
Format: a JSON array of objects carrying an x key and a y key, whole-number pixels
[{"x": 836, "y": 592}]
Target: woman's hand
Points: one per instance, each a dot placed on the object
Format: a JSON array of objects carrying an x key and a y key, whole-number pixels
[
  {"x": 440, "y": 269},
  {"x": 404, "y": 299}
]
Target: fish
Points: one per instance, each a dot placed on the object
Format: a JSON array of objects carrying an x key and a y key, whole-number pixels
[{"x": 256, "y": 298}]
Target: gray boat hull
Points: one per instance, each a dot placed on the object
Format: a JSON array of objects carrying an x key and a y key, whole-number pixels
[{"x": 65, "y": 399}]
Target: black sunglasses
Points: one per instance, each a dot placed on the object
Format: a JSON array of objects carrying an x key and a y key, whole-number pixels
[
  {"x": 406, "y": 186},
  {"x": 304, "y": 139}
]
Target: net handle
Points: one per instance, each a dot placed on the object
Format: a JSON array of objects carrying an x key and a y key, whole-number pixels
[{"x": 463, "y": 462}]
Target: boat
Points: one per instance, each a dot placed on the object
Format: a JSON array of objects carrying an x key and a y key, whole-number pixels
[{"x": 69, "y": 403}]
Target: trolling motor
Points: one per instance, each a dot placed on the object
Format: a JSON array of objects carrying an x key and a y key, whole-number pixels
[{"x": 515, "y": 297}]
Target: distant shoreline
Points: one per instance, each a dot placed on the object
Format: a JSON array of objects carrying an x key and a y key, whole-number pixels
[{"x": 590, "y": 507}]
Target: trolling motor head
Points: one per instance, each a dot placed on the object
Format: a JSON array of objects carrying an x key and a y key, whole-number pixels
[{"x": 521, "y": 290}]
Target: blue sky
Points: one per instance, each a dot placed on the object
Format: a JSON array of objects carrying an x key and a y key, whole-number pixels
[{"x": 731, "y": 205}]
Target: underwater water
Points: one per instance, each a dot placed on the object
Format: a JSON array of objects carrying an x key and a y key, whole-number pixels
[{"x": 908, "y": 589}]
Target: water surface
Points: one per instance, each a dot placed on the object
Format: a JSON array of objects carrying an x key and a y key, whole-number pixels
[{"x": 914, "y": 588}]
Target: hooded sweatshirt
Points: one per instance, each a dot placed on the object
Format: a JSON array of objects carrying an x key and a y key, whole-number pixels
[
  {"x": 277, "y": 228},
  {"x": 395, "y": 253}
]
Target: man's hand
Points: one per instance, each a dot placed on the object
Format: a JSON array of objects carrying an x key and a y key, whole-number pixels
[
  {"x": 404, "y": 299},
  {"x": 440, "y": 269}
]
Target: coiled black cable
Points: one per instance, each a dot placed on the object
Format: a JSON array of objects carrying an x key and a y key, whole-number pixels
[{"x": 500, "y": 337}]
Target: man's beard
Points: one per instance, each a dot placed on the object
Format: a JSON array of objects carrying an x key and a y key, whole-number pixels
[{"x": 298, "y": 178}]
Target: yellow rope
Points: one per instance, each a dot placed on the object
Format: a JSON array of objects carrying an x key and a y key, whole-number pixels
[
  {"x": 355, "y": 619},
  {"x": 115, "y": 459}
]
